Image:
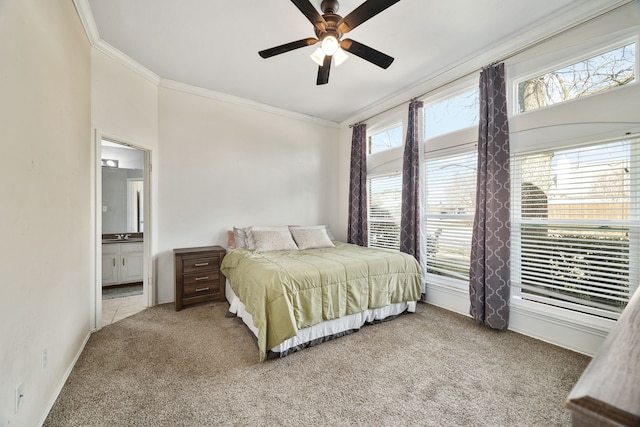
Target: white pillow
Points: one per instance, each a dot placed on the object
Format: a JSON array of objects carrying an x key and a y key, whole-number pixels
[
  {"x": 311, "y": 237},
  {"x": 249, "y": 239},
  {"x": 273, "y": 240}
]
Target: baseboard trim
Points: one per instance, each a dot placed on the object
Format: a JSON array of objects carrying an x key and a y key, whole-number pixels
[
  {"x": 65, "y": 377},
  {"x": 449, "y": 298},
  {"x": 562, "y": 332}
]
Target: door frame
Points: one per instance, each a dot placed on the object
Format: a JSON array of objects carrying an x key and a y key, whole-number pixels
[
  {"x": 148, "y": 289},
  {"x": 133, "y": 215}
]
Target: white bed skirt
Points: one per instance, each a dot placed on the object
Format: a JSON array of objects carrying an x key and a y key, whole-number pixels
[{"x": 324, "y": 329}]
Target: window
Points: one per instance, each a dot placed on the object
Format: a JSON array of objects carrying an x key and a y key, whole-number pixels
[
  {"x": 450, "y": 207},
  {"x": 576, "y": 226},
  {"x": 385, "y": 196},
  {"x": 596, "y": 74},
  {"x": 454, "y": 113},
  {"x": 385, "y": 139}
]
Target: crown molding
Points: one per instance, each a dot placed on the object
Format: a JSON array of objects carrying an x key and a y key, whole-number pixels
[
  {"x": 127, "y": 61},
  {"x": 86, "y": 17},
  {"x": 570, "y": 17}
]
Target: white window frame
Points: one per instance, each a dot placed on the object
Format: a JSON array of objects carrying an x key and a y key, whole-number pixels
[
  {"x": 369, "y": 178},
  {"x": 376, "y": 130},
  {"x": 566, "y": 309},
  {"x": 450, "y": 92},
  {"x": 431, "y": 278},
  {"x": 565, "y": 57}
]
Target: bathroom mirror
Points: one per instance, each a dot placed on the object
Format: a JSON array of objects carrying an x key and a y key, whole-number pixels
[{"x": 122, "y": 189}]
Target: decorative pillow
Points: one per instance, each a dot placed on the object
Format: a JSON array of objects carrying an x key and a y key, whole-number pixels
[
  {"x": 250, "y": 240},
  {"x": 232, "y": 239},
  {"x": 311, "y": 237},
  {"x": 325, "y": 226},
  {"x": 240, "y": 236},
  {"x": 273, "y": 240}
]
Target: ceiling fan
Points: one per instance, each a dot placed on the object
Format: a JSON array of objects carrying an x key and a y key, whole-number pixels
[{"x": 329, "y": 28}]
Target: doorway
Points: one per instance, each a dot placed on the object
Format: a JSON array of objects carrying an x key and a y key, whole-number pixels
[{"x": 122, "y": 240}]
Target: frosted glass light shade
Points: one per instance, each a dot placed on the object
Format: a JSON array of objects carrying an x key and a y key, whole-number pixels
[
  {"x": 340, "y": 57},
  {"x": 318, "y": 56},
  {"x": 338, "y": 54}
]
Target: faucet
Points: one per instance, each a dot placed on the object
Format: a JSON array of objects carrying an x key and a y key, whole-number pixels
[{"x": 126, "y": 236}]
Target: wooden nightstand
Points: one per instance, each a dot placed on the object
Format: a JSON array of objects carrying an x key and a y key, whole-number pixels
[{"x": 198, "y": 276}]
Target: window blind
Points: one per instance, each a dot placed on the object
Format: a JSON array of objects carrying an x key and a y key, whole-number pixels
[
  {"x": 385, "y": 201},
  {"x": 575, "y": 226},
  {"x": 450, "y": 195}
]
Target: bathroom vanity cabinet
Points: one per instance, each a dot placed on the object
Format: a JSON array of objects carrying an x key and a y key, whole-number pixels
[{"x": 122, "y": 263}]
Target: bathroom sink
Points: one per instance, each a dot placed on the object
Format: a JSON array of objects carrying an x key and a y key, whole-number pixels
[{"x": 129, "y": 240}]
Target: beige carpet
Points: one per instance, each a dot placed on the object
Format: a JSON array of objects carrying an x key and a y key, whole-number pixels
[{"x": 197, "y": 368}]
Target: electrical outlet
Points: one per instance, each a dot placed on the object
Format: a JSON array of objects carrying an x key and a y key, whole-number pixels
[
  {"x": 44, "y": 359},
  {"x": 19, "y": 397}
]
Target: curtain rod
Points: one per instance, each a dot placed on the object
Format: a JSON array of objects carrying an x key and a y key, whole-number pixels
[{"x": 502, "y": 59}]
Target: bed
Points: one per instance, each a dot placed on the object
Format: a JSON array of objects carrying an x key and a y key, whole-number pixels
[{"x": 294, "y": 286}]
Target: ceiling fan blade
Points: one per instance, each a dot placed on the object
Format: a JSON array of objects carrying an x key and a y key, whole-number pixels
[
  {"x": 311, "y": 13},
  {"x": 367, "y": 53},
  {"x": 362, "y": 13},
  {"x": 268, "y": 53},
  {"x": 323, "y": 71}
]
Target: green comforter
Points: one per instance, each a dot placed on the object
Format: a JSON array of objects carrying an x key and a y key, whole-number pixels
[{"x": 289, "y": 290}]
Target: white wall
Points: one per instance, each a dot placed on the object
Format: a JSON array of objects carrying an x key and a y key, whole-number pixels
[
  {"x": 224, "y": 164},
  {"x": 124, "y": 104},
  {"x": 605, "y": 115},
  {"x": 45, "y": 208}
]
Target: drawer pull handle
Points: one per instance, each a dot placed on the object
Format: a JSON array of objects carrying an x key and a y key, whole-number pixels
[
  {"x": 201, "y": 264},
  {"x": 202, "y": 289},
  {"x": 202, "y": 278}
]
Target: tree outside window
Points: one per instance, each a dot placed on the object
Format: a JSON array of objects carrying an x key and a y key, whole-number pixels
[{"x": 597, "y": 74}]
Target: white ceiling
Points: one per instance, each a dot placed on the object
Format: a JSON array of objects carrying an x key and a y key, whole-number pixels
[{"x": 214, "y": 44}]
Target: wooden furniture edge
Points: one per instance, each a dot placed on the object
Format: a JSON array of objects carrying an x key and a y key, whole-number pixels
[{"x": 608, "y": 392}]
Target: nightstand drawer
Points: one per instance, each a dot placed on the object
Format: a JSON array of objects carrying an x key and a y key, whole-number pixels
[
  {"x": 195, "y": 265},
  {"x": 200, "y": 284},
  {"x": 198, "y": 277}
]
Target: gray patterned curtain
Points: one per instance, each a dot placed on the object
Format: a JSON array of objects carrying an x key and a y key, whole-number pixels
[
  {"x": 489, "y": 279},
  {"x": 410, "y": 219},
  {"x": 357, "y": 232}
]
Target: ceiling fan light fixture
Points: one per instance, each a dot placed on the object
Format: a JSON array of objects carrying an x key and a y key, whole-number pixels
[
  {"x": 330, "y": 45},
  {"x": 339, "y": 57},
  {"x": 318, "y": 56},
  {"x": 329, "y": 28}
]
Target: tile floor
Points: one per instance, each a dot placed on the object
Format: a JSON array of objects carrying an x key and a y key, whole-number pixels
[{"x": 118, "y": 308}]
